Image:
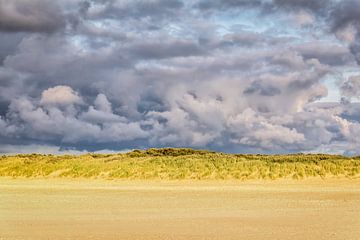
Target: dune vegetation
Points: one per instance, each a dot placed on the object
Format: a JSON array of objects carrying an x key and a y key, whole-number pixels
[{"x": 179, "y": 164}]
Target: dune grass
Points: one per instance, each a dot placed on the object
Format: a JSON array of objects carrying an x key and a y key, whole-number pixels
[{"x": 178, "y": 164}]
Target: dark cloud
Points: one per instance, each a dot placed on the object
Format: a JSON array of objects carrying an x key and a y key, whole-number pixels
[
  {"x": 334, "y": 55},
  {"x": 355, "y": 50},
  {"x": 30, "y": 16},
  {"x": 346, "y": 12},
  {"x": 84, "y": 7},
  {"x": 166, "y": 49},
  {"x": 9, "y": 43},
  {"x": 137, "y": 9},
  {"x": 314, "y": 5},
  {"x": 226, "y": 4},
  {"x": 346, "y": 17},
  {"x": 352, "y": 112},
  {"x": 350, "y": 88},
  {"x": 259, "y": 88},
  {"x": 320, "y": 7}
]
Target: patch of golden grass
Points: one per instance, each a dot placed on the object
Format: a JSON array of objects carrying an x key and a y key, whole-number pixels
[{"x": 176, "y": 164}]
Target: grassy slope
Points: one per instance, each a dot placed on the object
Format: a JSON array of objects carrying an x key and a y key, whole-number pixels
[{"x": 171, "y": 164}]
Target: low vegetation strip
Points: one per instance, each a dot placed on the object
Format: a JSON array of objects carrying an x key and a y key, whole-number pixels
[{"x": 177, "y": 164}]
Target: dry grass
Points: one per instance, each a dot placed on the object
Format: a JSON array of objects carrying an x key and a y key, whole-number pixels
[{"x": 177, "y": 164}]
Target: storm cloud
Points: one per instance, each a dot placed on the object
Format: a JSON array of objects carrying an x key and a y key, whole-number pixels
[
  {"x": 267, "y": 76},
  {"x": 30, "y": 16}
]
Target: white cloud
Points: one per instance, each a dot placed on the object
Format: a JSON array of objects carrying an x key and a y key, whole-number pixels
[
  {"x": 60, "y": 96},
  {"x": 304, "y": 18},
  {"x": 102, "y": 103}
]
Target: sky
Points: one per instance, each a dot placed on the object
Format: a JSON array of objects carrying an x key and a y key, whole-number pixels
[{"x": 244, "y": 76}]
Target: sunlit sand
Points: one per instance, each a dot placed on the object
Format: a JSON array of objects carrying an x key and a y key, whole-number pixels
[{"x": 94, "y": 209}]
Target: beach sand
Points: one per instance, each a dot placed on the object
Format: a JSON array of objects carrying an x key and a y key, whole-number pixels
[{"x": 94, "y": 209}]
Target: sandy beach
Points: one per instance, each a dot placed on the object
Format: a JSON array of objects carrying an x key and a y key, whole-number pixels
[{"x": 94, "y": 209}]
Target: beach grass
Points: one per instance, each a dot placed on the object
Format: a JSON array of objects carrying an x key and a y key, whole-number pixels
[{"x": 180, "y": 164}]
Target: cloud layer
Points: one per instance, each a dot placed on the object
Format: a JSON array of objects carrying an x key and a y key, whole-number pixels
[{"x": 238, "y": 76}]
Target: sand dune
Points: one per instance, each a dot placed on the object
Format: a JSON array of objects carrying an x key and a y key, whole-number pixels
[{"x": 89, "y": 209}]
